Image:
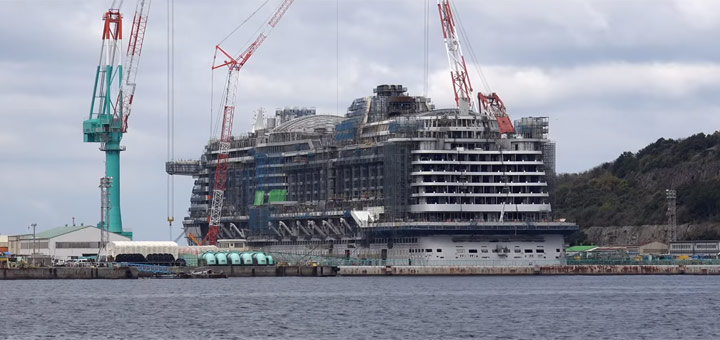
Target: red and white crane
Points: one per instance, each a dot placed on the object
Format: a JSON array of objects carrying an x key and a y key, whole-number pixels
[
  {"x": 458, "y": 71},
  {"x": 135, "y": 44},
  {"x": 234, "y": 64},
  {"x": 488, "y": 104}
]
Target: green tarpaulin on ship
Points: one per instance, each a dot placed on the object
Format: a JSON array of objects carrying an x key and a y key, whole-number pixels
[
  {"x": 277, "y": 195},
  {"x": 259, "y": 197}
]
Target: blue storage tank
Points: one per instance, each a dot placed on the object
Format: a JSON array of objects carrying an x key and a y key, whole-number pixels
[
  {"x": 260, "y": 259},
  {"x": 209, "y": 259},
  {"x": 247, "y": 259},
  {"x": 234, "y": 259},
  {"x": 221, "y": 259}
]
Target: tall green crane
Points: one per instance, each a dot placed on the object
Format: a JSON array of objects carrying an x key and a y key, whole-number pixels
[{"x": 112, "y": 100}]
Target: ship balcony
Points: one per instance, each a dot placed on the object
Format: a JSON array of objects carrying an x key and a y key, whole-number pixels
[
  {"x": 480, "y": 194},
  {"x": 478, "y": 173},
  {"x": 483, "y": 184},
  {"x": 199, "y": 207},
  {"x": 484, "y": 162},
  {"x": 200, "y": 189},
  {"x": 183, "y": 168},
  {"x": 421, "y": 208},
  {"x": 477, "y": 152},
  {"x": 198, "y": 199}
]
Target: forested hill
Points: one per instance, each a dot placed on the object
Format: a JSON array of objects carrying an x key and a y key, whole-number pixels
[{"x": 631, "y": 189}]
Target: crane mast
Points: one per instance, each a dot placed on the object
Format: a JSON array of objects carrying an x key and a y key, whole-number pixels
[
  {"x": 458, "y": 71},
  {"x": 107, "y": 121},
  {"x": 234, "y": 64},
  {"x": 134, "y": 48},
  {"x": 488, "y": 104}
]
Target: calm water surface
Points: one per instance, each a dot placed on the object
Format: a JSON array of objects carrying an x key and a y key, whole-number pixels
[{"x": 531, "y": 307}]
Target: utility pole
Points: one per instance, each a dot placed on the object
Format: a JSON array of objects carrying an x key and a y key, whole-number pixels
[
  {"x": 33, "y": 227},
  {"x": 105, "y": 204},
  {"x": 671, "y": 196}
]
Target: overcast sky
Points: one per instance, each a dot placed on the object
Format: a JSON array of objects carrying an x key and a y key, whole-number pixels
[{"x": 612, "y": 76}]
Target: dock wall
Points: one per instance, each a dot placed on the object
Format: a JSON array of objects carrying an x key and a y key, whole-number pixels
[
  {"x": 250, "y": 271},
  {"x": 67, "y": 273},
  {"x": 536, "y": 270}
]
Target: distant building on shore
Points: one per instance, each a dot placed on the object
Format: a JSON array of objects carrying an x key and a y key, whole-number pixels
[
  {"x": 62, "y": 242},
  {"x": 709, "y": 248}
]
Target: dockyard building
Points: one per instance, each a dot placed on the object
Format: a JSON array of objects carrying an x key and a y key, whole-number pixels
[{"x": 63, "y": 242}]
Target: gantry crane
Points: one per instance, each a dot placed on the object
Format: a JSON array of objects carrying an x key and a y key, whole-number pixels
[
  {"x": 234, "y": 64},
  {"x": 112, "y": 99},
  {"x": 488, "y": 104}
]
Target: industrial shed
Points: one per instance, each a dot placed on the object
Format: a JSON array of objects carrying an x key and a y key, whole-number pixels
[{"x": 62, "y": 242}]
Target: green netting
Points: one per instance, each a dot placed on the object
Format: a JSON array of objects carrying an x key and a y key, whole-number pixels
[
  {"x": 277, "y": 195},
  {"x": 259, "y": 197},
  {"x": 191, "y": 260}
]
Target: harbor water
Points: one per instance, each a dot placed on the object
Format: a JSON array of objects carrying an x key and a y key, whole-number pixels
[{"x": 482, "y": 307}]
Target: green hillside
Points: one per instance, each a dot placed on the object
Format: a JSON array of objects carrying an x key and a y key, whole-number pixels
[{"x": 631, "y": 189}]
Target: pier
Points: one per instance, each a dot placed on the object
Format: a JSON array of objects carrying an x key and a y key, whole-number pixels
[
  {"x": 530, "y": 270},
  {"x": 67, "y": 273}
]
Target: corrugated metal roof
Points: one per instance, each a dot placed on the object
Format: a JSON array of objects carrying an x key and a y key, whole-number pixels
[
  {"x": 580, "y": 248},
  {"x": 55, "y": 232}
]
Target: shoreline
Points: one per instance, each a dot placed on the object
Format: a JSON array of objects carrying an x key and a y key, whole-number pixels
[
  {"x": 530, "y": 270},
  {"x": 63, "y": 273}
]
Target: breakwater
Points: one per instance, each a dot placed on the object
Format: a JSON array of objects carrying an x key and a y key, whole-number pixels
[
  {"x": 67, "y": 273},
  {"x": 531, "y": 270}
]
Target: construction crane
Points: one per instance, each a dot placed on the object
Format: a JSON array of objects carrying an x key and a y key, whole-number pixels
[
  {"x": 112, "y": 99},
  {"x": 489, "y": 104},
  {"x": 458, "y": 71},
  {"x": 493, "y": 105},
  {"x": 234, "y": 64},
  {"x": 194, "y": 239}
]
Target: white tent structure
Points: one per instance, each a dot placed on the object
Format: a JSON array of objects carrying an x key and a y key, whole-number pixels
[{"x": 143, "y": 248}]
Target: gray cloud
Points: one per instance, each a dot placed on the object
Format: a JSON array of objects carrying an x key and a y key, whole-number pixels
[{"x": 613, "y": 76}]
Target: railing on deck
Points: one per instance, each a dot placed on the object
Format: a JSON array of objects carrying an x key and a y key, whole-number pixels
[
  {"x": 632, "y": 262},
  {"x": 303, "y": 259}
]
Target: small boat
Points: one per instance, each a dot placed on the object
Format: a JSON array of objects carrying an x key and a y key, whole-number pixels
[{"x": 205, "y": 274}]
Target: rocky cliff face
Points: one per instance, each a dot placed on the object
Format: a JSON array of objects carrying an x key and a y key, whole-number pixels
[{"x": 637, "y": 235}]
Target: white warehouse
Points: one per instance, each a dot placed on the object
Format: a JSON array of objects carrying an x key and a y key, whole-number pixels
[{"x": 62, "y": 242}]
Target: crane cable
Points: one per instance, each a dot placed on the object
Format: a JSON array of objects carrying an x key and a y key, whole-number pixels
[
  {"x": 170, "y": 190},
  {"x": 426, "y": 33},
  {"x": 337, "y": 57},
  {"x": 475, "y": 62},
  {"x": 217, "y": 118},
  {"x": 243, "y": 22}
]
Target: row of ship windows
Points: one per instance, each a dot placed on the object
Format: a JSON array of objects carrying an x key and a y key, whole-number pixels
[
  {"x": 515, "y": 257},
  {"x": 396, "y": 240},
  {"x": 475, "y": 251},
  {"x": 474, "y": 157}
]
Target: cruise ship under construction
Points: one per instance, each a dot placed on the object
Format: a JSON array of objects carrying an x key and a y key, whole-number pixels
[{"x": 393, "y": 181}]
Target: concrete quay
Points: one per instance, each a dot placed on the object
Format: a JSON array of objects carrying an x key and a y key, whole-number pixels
[
  {"x": 251, "y": 271},
  {"x": 67, "y": 273},
  {"x": 530, "y": 270}
]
